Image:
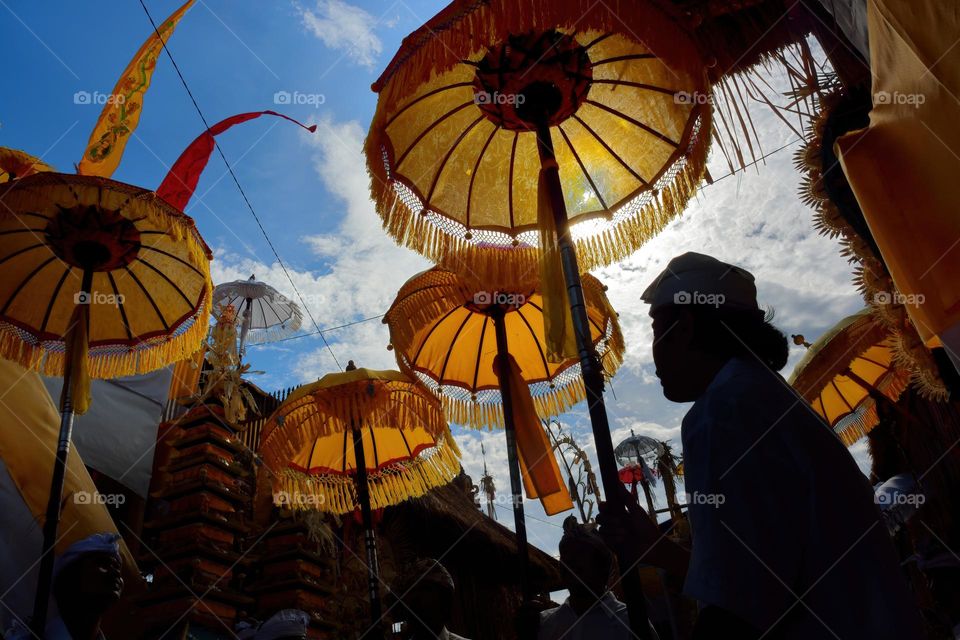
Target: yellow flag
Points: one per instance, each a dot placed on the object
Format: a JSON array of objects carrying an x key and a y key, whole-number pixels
[
  {"x": 557, "y": 320},
  {"x": 121, "y": 113},
  {"x": 903, "y": 168}
]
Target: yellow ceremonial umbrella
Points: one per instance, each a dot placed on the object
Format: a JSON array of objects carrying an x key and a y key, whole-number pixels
[
  {"x": 507, "y": 123},
  {"x": 846, "y": 372},
  {"x": 484, "y": 353},
  {"x": 101, "y": 279},
  {"x": 19, "y": 164},
  {"x": 442, "y": 326},
  {"x": 358, "y": 439},
  {"x": 618, "y": 95}
]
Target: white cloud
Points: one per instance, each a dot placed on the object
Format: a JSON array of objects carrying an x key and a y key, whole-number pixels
[{"x": 345, "y": 27}]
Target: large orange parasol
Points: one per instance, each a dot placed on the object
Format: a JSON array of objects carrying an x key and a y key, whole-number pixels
[
  {"x": 846, "y": 372},
  {"x": 618, "y": 90},
  {"x": 442, "y": 328},
  {"x": 101, "y": 279},
  {"x": 485, "y": 353},
  {"x": 358, "y": 439}
]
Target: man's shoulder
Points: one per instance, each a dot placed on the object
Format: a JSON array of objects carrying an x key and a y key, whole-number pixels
[
  {"x": 747, "y": 395},
  {"x": 549, "y": 614}
]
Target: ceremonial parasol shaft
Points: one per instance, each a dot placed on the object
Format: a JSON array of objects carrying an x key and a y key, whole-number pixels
[
  {"x": 52, "y": 521},
  {"x": 373, "y": 569},
  {"x": 520, "y": 523},
  {"x": 247, "y": 321},
  {"x": 590, "y": 368}
]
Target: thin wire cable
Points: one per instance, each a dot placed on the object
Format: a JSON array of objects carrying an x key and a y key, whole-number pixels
[
  {"x": 750, "y": 164},
  {"x": 322, "y": 331},
  {"x": 239, "y": 188},
  {"x": 527, "y": 515}
]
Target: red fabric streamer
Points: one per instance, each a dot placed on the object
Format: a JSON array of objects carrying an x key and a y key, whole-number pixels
[{"x": 178, "y": 187}]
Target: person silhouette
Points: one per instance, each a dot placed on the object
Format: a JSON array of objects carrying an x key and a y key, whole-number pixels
[
  {"x": 786, "y": 541},
  {"x": 87, "y": 581},
  {"x": 591, "y": 610},
  {"x": 425, "y": 601}
]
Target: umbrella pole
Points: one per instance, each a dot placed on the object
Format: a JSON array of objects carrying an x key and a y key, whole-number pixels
[
  {"x": 245, "y": 328},
  {"x": 370, "y": 540},
  {"x": 520, "y": 523},
  {"x": 591, "y": 369},
  {"x": 52, "y": 519}
]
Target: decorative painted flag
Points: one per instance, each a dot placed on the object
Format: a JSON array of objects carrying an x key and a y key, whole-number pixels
[{"x": 121, "y": 113}]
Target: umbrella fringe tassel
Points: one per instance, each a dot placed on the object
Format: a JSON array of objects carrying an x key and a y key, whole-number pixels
[
  {"x": 389, "y": 485},
  {"x": 116, "y": 361},
  {"x": 410, "y": 223},
  {"x": 856, "y": 425}
]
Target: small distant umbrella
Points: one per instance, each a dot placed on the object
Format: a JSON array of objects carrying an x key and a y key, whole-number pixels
[
  {"x": 635, "y": 454},
  {"x": 361, "y": 438},
  {"x": 101, "y": 279},
  {"x": 632, "y": 449},
  {"x": 846, "y": 372},
  {"x": 265, "y": 314}
]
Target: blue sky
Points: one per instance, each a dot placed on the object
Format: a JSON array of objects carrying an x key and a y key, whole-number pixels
[{"x": 311, "y": 190}]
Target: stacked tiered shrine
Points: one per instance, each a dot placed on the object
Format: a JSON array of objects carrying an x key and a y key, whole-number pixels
[{"x": 197, "y": 529}]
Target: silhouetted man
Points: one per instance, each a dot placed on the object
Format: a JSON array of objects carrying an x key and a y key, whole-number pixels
[
  {"x": 787, "y": 540},
  {"x": 87, "y": 581},
  {"x": 426, "y": 601},
  {"x": 591, "y": 611}
]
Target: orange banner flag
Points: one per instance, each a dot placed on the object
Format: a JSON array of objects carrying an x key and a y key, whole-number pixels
[
  {"x": 121, "y": 113},
  {"x": 538, "y": 465}
]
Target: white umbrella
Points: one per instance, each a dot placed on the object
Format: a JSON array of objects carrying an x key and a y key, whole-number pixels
[{"x": 264, "y": 313}]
